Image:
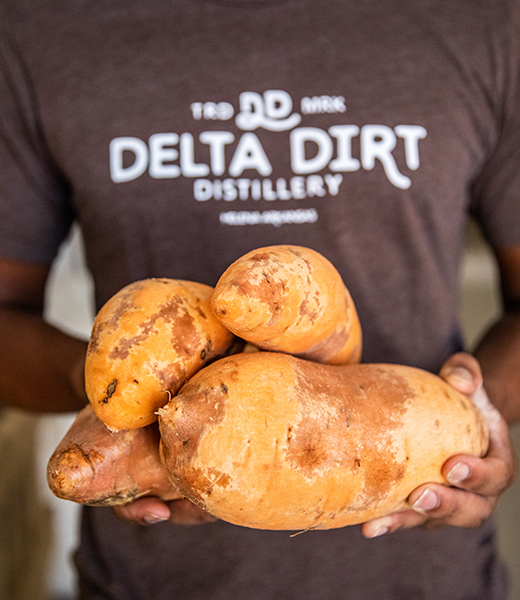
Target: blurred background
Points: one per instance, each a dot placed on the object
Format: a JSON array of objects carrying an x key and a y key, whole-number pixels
[{"x": 38, "y": 532}]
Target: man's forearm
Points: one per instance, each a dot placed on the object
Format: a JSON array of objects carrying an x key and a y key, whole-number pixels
[
  {"x": 41, "y": 368},
  {"x": 499, "y": 356}
]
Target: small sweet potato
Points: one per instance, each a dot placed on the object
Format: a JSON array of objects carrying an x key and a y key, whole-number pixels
[
  {"x": 95, "y": 466},
  {"x": 147, "y": 340},
  {"x": 289, "y": 299}
]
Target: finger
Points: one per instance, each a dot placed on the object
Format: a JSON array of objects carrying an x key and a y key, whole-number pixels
[
  {"x": 489, "y": 476},
  {"x": 393, "y": 522},
  {"x": 184, "y": 512},
  {"x": 497, "y": 471},
  {"x": 451, "y": 506},
  {"x": 486, "y": 477},
  {"x": 144, "y": 511},
  {"x": 462, "y": 371}
]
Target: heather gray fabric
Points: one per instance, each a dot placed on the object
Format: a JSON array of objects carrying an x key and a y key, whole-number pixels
[
  {"x": 182, "y": 134},
  {"x": 221, "y": 562}
]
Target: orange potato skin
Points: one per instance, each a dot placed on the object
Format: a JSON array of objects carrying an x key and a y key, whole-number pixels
[
  {"x": 290, "y": 299},
  {"x": 147, "y": 340},
  {"x": 98, "y": 467},
  {"x": 270, "y": 441}
]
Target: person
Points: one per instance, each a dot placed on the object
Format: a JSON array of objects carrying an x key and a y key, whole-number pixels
[{"x": 181, "y": 134}]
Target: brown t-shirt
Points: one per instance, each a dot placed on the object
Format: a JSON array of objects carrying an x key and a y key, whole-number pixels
[{"x": 181, "y": 134}]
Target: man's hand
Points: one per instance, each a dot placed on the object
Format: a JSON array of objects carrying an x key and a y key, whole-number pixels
[
  {"x": 150, "y": 510},
  {"x": 477, "y": 483}
]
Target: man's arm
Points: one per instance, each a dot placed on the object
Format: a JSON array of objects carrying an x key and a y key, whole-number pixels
[
  {"x": 42, "y": 368},
  {"x": 499, "y": 350}
]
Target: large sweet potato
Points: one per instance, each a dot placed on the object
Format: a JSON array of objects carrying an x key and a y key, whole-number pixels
[{"x": 270, "y": 441}]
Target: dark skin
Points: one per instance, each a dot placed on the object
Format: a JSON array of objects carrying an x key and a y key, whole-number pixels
[
  {"x": 42, "y": 370},
  {"x": 41, "y": 366}
]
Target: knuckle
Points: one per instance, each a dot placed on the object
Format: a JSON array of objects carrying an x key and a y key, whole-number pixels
[
  {"x": 508, "y": 476},
  {"x": 124, "y": 513},
  {"x": 480, "y": 514},
  {"x": 480, "y": 518},
  {"x": 510, "y": 480}
]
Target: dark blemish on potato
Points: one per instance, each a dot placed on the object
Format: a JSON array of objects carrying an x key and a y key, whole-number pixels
[
  {"x": 201, "y": 312},
  {"x": 224, "y": 388},
  {"x": 203, "y": 354},
  {"x": 311, "y": 455},
  {"x": 135, "y": 381},
  {"x": 266, "y": 277},
  {"x": 111, "y": 389},
  {"x": 276, "y": 453}
]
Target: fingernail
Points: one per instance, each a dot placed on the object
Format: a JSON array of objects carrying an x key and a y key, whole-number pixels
[
  {"x": 428, "y": 500},
  {"x": 459, "y": 473},
  {"x": 152, "y": 519},
  {"x": 380, "y": 528},
  {"x": 461, "y": 372},
  {"x": 460, "y": 375},
  {"x": 379, "y": 532}
]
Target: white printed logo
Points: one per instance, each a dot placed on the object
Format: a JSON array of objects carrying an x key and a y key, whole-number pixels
[
  {"x": 318, "y": 157},
  {"x": 272, "y": 111}
]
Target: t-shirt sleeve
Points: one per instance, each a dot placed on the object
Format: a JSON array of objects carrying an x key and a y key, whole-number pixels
[
  {"x": 496, "y": 192},
  {"x": 35, "y": 213}
]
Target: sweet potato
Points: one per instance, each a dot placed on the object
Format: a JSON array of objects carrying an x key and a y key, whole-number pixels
[
  {"x": 270, "y": 441},
  {"x": 95, "y": 466},
  {"x": 147, "y": 340},
  {"x": 289, "y": 299}
]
